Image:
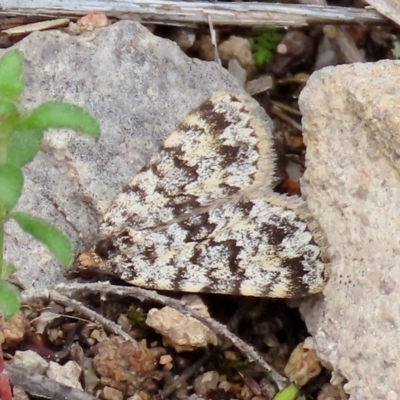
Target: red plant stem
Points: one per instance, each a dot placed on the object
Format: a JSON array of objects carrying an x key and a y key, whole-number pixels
[{"x": 5, "y": 389}]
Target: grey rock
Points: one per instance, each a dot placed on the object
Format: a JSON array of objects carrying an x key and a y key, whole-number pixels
[
  {"x": 352, "y": 186},
  {"x": 31, "y": 361},
  {"x": 139, "y": 87},
  {"x": 67, "y": 374}
]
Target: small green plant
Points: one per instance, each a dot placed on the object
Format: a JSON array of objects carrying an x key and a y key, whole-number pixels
[
  {"x": 21, "y": 135},
  {"x": 263, "y": 45},
  {"x": 290, "y": 392},
  {"x": 135, "y": 316}
]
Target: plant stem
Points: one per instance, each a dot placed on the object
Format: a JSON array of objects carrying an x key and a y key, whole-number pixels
[
  {"x": 5, "y": 389},
  {"x": 3, "y": 158},
  {"x": 3, "y": 151},
  {"x": 2, "y": 221}
]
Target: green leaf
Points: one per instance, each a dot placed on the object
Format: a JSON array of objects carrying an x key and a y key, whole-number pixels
[
  {"x": 10, "y": 301},
  {"x": 56, "y": 241},
  {"x": 288, "y": 393},
  {"x": 7, "y": 107},
  {"x": 23, "y": 147},
  {"x": 11, "y": 183},
  {"x": 60, "y": 115},
  {"x": 264, "y": 44},
  {"x": 11, "y": 80},
  {"x": 7, "y": 270},
  {"x": 8, "y": 123}
]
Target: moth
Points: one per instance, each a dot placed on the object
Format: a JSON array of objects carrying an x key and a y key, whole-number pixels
[{"x": 201, "y": 216}]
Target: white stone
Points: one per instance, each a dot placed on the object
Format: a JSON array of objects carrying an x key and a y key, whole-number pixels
[
  {"x": 180, "y": 331},
  {"x": 351, "y": 120},
  {"x": 67, "y": 374},
  {"x": 31, "y": 361}
]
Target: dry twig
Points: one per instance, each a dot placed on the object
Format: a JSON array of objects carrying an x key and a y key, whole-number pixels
[
  {"x": 213, "y": 36},
  {"x": 33, "y": 294},
  {"x": 192, "y": 13},
  {"x": 41, "y": 387},
  {"x": 277, "y": 112},
  {"x": 183, "y": 377},
  {"x": 220, "y": 329},
  {"x": 348, "y": 48}
]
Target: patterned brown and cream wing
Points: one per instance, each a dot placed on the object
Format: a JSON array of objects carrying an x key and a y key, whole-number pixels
[
  {"x": 218, "y": 151},
  {"x": 202, "y": 217},
  {"x": 253, "y": 247}
]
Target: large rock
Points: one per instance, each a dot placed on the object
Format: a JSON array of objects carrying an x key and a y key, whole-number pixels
[
  {"x": 139, "y": 87},
  {"x": 352, "y": 185}
]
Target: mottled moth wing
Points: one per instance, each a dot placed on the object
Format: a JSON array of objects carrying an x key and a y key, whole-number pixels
[
  {"x": 219, "y": 150},
  {"x": 253, "y": 246},
  {"x": 202, "y": 217}
]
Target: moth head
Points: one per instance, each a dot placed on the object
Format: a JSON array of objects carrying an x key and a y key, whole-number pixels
[
  {"x": 103, "y": 249},
  {"x": 95, "y": 258}
]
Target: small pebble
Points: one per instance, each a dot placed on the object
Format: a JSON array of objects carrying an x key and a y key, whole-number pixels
[
  {"x": 206, "y": 382},
  {"x": 165, "y": 359},
  {"x": 67, "y": 374},
  {"x": 110, "y": 393},
  {"x": 303, "y": 365}
]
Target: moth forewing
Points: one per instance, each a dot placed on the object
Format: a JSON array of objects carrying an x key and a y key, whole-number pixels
[{"x": 219, "y": 150}]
